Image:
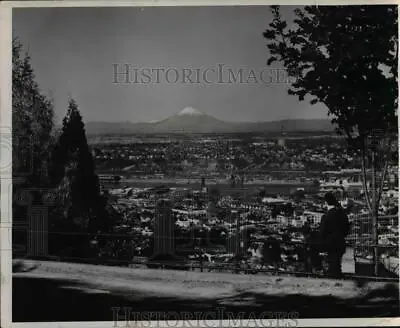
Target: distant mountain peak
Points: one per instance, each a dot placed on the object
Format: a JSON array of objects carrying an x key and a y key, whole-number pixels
[
  {"x": 190, "y": 111},
  {"x": 190, "y": 120}
]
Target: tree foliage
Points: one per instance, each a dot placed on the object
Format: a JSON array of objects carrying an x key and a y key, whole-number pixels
[
  {"x": 32, "y": 119},
  {"x": 73, "y": 173},
  {"x": 344, "y": 57}
]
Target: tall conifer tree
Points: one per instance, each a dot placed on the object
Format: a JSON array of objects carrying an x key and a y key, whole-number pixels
[{"x": 73, "y": 171}]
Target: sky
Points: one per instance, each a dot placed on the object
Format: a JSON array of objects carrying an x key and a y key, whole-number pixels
[{"x": 76, "y": 51}]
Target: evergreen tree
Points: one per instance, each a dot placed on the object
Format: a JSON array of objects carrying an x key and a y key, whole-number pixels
[
  {"x": 32, "y": 118},
  {"x": 73, "y": 172}
]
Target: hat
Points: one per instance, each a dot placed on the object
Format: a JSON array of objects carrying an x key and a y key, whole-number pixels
[{"x": 330, "y": 198}]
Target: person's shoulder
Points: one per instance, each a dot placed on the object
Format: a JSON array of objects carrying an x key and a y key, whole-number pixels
[
  {"x": 332, "y": 211},
  {"x": 342, "y": 211},
  {"x": 331, "y": 214}
]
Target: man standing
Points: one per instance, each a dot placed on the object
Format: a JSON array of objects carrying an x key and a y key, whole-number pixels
[{"x": 333, "y": 230}]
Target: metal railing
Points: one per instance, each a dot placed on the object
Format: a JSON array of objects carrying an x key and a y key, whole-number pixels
[{"x": 298, "y": 258}]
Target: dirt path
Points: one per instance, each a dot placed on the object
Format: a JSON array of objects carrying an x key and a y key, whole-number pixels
[
  {"x": 189, "y": 283},
  {"x": 156, "y": 290}
]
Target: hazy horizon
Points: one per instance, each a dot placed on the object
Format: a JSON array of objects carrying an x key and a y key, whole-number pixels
[
  {"x": 225, "y": 120},
  {"x": 73, "y": 51}
]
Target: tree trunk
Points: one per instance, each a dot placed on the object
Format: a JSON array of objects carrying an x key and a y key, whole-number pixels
[
  {"x": 372, "y": 199},
  {"x": 375, "y": 205},
  {"x": 364, "y": 180}
]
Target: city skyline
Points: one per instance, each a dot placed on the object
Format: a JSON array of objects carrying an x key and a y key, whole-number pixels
[{"x": 81, "y": 65}]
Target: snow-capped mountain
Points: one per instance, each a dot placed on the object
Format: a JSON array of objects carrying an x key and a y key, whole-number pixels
[
  {"x": 190, "y": 111},
  {"x": 191, "y": 120}
]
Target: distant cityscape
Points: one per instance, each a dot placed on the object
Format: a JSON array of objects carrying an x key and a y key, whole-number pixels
[{"x": 231, "y": 194}]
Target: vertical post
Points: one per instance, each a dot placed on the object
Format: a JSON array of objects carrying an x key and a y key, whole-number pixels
[
  {"x": 238, "y": 245},
  {"x": 238, "y": 236},
  {"x": 38, "y": 231},
  {"x": 374, "y": 216}
]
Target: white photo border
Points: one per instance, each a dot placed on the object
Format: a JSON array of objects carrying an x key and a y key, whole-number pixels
[{"x": 5, "y": 157}]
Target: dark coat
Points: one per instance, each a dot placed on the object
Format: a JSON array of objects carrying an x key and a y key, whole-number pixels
[{"x": 334, "y": 228}]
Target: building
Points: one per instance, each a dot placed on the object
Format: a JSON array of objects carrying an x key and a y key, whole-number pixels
[
  {"x": 315, "y": 217},
  {"x": 281, "y": 142},
  {"x": 273, "y": 201}
]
